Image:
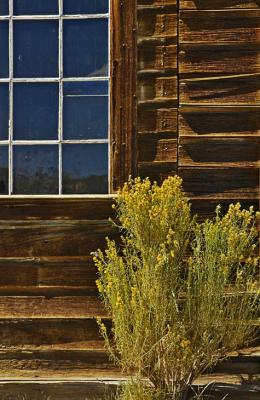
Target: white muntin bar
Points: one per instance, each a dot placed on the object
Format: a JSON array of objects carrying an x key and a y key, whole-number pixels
[
  {"x": 52, "y": 17},
  {"x": 39, "y": 80},
  {"x": 60, "y": 129},
  {"x": 11, "y": 91}
]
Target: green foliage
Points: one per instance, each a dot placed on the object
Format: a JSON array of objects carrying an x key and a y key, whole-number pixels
[{"x": 181, "y": 294}]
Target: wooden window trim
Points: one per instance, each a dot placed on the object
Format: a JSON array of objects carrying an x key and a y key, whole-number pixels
[{"x": 123, "y": 100}]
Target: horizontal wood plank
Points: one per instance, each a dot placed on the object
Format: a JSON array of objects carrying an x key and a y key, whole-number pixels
[
  {"x": 157, "y": 88},
  {"x": 50, "y": 334},
  {"x": 205, "y": 208},
  {"x": 53, "y": 238},
  {"x": 226, "y": 90},
  {"x": 91, "y": 390},
  {"x": 219, "y": 121},
  {"x": 48, "y": 272},
  {"x": 157, "y": 2},
  {"x": 13, "y": 208},
  {"x": 161, "y": 120},
  {"x": 239, "y": 26},
  {"x": 219, "y": 152},
  {"x": 235, "y": 183},
  {"x": 157, "y": 149},
  {"x": 55, "y": 364},
  {"x": 73, "y": 390},
  {"x": 21, "y": 307},
  {"x": 218, "y": 5},
  {"x": 157, "y": 171},
  {"x": 229, "y": 59},
  {"x": 157, "y": 58},
  {"x": 156, "y": 25}
]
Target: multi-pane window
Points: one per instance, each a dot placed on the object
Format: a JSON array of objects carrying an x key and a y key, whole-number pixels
[{"x": 54, "y": 97}]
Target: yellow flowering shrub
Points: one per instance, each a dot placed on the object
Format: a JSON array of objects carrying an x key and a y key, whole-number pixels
[{"x": 181, "y": 294}]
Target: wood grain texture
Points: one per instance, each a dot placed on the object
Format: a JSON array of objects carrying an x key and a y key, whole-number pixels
[
  {"x": 157, "y": 59},
  {"x": 31, "y": 307},
  {"x": 151, "y": 88},
  {"x": 157, "y": 171},
  {"x": 205, "y": 208},
  {"x": 50, "y": 334},
  {"x": 53, "y": 238},
  {"x": 91, "y": 390},
  {"x": 55, "y": 208},
  {"x": 56, "y": 364},
  {"x": 56, "y": 273},
  {"x": 154, "y": 148},
  {"x": 204, "y": 60},
  {"x": 123, "y": 92},
  {"x": 219, "y": 122},
  {"x": 73, "y": 390},
  {"x": 239, "y": 26},
  {"x": 156, "y": 25},
  {"x": 219, "y": 4},
  {"x": 226, "y": 90},
  {"x": 219, "y": 152},
  {"x": 235, "y": 183},
  {"x": 160, "y": 120},
  {"x": 157, "y": 2}
]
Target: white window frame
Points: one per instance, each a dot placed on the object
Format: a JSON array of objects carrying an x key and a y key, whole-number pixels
[{"x": 11, "y": 80}]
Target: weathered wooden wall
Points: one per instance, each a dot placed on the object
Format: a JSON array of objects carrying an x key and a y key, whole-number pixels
[{"x": 198, "y": 95}]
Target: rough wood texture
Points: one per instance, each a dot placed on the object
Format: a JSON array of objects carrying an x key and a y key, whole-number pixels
[
  {"x": 219, "y": 122},
  {"x": 53, "y": 238},
  {"x": 55, "y": 208},
  {"x": 218, "y": 59},
  {"x": 228, "y": 26},
  {"x": 224, "y": 152},
  {"x": 221, "y": 182},
  {"x": 21, "y": 307},
  {"x": 161, "y": 120},
  {"x": 218, "y": 4},
  {"x": 49, "y": 334},
  {"x": 123, "y": 94},
  {"x": 225, "y": 90}
]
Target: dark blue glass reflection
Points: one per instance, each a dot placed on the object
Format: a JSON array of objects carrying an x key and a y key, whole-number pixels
[
  {"x": 3, "y": 169},
  {"x": 85, "y": 110},
  {"x": 4, "y": 49},
  {"x": 85, "y": 48},
  {"x": 4, "y": 7},
  {"x": 85, "y": 88},
  {"x": 36, "y": 7},
  {"x": 85, "y": 6},
  {"x": 4, "y": 111},
  {"x": 36, "y": 107},
  {"x": 85, "y": 168},
  {"x": 35, "y": 169},
  {"x": 35, "y": 49}
]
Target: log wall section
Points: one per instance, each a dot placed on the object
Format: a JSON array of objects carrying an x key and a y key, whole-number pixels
[{"x": 198, "y": 100}]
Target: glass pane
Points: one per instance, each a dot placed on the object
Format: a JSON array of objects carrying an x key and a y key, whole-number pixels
[
  {"x": 36, "y": 169},
  {"x": 85, "y": 88},
  {"x": 34, "y": 7},
  {"x": 36, "y": 108},
  {"x": 85, "y": 48},
  {"x": 4, "y": 7},
  {"x": 85, "y": 6},
  {"x": 4, "y": 49},
  {"x": 4, "y": 111},
  {"x": 35, "y": 49},
  {"x": 3, "y": 169},
  {"x": 85, "y": 168},
  {"x": 85, "y": 112}
]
